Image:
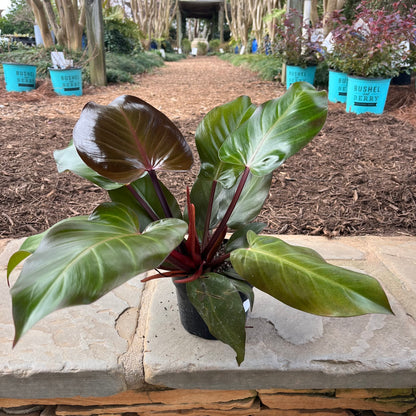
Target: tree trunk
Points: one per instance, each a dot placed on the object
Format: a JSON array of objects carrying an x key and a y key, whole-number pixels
[
  {"x": 95, "y": 36},
  {"x": 62, "y": 18},
  {"x": 221, "y": 22},
  {"x": 41, "y": 21},
  {"x": 329, "y": 7}
]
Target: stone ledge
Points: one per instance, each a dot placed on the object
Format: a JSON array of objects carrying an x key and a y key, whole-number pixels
[
  {"x": 290, "y": 349},
  {"x": 283, "y": 402},
  {"x": 78, "y": 351},
  {"x": 132, "y": 338}
]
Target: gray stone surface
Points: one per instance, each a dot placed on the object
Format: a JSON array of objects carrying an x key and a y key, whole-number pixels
[
  {"x": 291, "y": 349},
  {"x": 133, "y": 336},
  {"x": 72, "y": 352}
]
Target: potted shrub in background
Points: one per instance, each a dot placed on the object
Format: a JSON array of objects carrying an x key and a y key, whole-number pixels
[
  {"x": 298, "y": 43},
  {"x": 19, "y": 77},
  {"x": 19, "y": 73},
  {"x": 334, "y": 57},
  {"x": 373, "y": 50},
  {"x": 66, "y": 78},
  {"x": 122, "y": 147}
]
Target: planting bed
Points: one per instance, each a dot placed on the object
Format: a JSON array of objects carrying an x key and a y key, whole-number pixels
[{"x": 357, "y": 177}]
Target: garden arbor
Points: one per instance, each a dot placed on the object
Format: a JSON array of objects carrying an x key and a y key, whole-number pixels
[{"x": 202, "y": 9}]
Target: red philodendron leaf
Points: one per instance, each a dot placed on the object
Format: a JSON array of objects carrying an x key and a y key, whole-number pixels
[{"x": 123, "y": 140}]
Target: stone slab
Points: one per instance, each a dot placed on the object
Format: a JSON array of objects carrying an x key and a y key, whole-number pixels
[
  {"x": 133, "y": 336},
  {"x": 290, "y": 349},
  {"x": 72, "y": 352}
]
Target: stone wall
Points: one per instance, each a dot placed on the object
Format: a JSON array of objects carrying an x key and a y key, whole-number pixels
[
  {"x": 112, "y": 357},
  {"x": 275, "y": 402}
]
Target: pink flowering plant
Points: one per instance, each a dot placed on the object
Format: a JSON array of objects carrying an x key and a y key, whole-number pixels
[
  {"x": 296, "y": 41},
  {"x": 375, "y": 44}
]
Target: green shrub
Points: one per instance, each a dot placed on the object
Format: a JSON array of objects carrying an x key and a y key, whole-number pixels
[
  {"x": 202, "y": 48},
  {"x": 214, "y": 45},
  {"x": 115, "y": 41},
  {"x": 173, "y": 57},
  {"x": 115, "y": 76},
  {"x": 121, "y": 68},
  {"x": 268, "y": 67},
  {"x": 166, "y": 45},
  {"x": 186, "y": 46},
  {"x": 121, "y": 35}
]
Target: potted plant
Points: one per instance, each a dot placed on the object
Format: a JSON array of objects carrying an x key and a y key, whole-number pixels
[
  {"x": 334, "y": 57},
  {"x": 297, "y": 42},
  {"x": 121, "y": 148},
  {"x": 66, "y": 78},
  {"x": 371, "y": 50},
  {"x": 19, "y": 74}
]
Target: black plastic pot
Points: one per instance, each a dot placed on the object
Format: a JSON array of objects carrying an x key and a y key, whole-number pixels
[
  {"x": 190, "y": 318},
  {"x": 402, "y": 79}
]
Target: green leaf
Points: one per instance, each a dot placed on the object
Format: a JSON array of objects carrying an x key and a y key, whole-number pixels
[
  {"x": 301, "y": 278},
  {"x": 200, "y": 195},
  {"x": 255, "y": 192},
  {"x": 211, "y": 133},
  {"x": 277, "y": 130},
  {"x": 80, "y": 260},
  {"x": 26, "y": 249},
  {"x": 217, "y": 300},
  {"x": 144, "y": 187},
  {"x": 239, "y": 237},
  {"x": 128, "y": 137},
  {"x": 69, "y": 159},
  {"x": 244, "y": 288},
  {"x": 30, "y": 245},
  {"x": 250, "y": 203}
]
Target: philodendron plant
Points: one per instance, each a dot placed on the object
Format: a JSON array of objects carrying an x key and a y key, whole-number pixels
[{"x": 121, "y": 147}]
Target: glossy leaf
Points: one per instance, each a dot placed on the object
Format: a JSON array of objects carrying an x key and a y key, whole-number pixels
[
  {"x": 246, "y": 289},
  {"x": 255, "y": 192},
  {"x": 69, "y": 159},
  {"x": 80, "y": 260},
  {"x": 239, "y": 237},
  {"x": 218, "y": 302},
  {"x": 278, "y": 129},
  {"x": 211, "y": 133},
  {"x": 128, "y": 137},
  {"x": 27, "y": 248},
  {"x": 30, "y": 245},
  {"x": 145, "y": 189},
  {"x": 301, "y": 278}
]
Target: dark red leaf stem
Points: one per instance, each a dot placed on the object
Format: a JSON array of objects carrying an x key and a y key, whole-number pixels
[
  {"x": 216, "y": 246},
  {"x": 223, "y": 224},
  {"x": 159, "y": 275},
  {"x": 192, "y": 243},
  {"x": 208, "y": 216},
  {"x": 195, "y": 276},
  {"x": 142, "y": 202},
  {"x": 181, "y": 261},
  {"x": 160, "y": 194}
]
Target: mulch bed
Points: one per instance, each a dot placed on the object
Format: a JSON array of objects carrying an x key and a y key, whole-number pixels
[{"x": 356, "y": 177}]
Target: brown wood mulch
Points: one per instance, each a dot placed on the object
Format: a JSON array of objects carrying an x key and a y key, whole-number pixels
[{"x": 356, "y": 177}]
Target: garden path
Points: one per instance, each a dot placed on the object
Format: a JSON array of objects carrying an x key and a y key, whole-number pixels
[{"x": 357, "y": 177}]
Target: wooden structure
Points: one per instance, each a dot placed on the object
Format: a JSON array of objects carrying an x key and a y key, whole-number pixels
[{"x": 202, "y": 9}]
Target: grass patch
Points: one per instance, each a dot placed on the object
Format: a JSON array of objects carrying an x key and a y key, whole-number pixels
[{"x": 268, "y": 67}]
